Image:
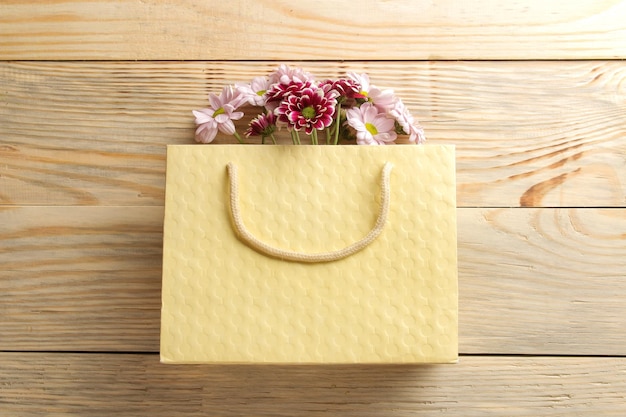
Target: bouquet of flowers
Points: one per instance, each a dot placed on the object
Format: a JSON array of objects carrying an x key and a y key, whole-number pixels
[{"x": 346, "y": 109}]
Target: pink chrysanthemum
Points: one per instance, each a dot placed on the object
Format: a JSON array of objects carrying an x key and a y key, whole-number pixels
[
  {"x": 219, "y": 116},
  {"x": 286, "y": 75},
  {"x": 384, "y": 100},
  {"x": 372, "y": 127},
  {"x": 408, "y": 123},
  {"x": 255, "y": 93},
  {"x": 310, "y": 108},
  {"x": 263, "y": 125}
]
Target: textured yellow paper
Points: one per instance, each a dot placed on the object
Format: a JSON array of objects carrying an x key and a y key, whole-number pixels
[{"x": 393, "y": 302}]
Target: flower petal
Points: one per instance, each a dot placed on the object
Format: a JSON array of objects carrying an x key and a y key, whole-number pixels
[
  {"x": 206, "y": 133},
  {"x": 227, "y": 127}
]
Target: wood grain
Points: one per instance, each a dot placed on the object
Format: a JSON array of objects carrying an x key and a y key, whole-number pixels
[
  {"x": 137, "y": 385},
  {"x": 530, "y": 134},
  {"x": 285, "y": 30},
  {"x": 533, "y": 93},
  {"x": 75, "y": 278},
  {"x": 532, "y": 281},
  {"x": 542, "y": 281}
]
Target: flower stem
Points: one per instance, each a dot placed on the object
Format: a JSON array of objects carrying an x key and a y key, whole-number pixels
[
  {"x": 337, "y": 123},
  {"x": 298, "y": 137},
  {"x": 238, "y": 137},
  {"x": 327, "y": 136},
  {"x": 273, "y": 138},
  {"x": 293, "y": 137},
  {"x": 314, "y": 136}
]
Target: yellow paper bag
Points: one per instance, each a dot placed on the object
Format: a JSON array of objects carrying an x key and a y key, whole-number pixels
[{"x": 364, "y": 261}]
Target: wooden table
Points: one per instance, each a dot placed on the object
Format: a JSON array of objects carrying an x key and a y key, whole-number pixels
[{"x": 533, "y": 93}]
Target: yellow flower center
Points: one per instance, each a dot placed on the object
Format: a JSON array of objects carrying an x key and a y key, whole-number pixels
[
  {"x": 371, "y": 128},
  {"x": 308, "y": 112},
  {"x": 261, "y": 92},
  {"x": 219, "y": 111}
]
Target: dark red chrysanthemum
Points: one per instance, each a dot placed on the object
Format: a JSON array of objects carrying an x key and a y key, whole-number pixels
[
  {"x": 308, "y": 109},
  {"x": 346, "y": 88},
  {"x": 263, "y": 125},
  {"x": 279, "y": 92}
]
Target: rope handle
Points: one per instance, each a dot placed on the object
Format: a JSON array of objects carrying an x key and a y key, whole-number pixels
[{"x": 289, "y": 255}]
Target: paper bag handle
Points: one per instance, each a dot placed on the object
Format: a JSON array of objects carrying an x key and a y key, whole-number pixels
[{"x": 288, "y": 255}]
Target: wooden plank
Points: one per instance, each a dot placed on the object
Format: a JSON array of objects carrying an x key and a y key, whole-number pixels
[
  {"x": 137, "y": 385},
  {"x": 542, "y": 281},
  {"x": 369, "y": 30},
  {"x": 532, "y": 281},
  {"x": 80, "y": 278},
  {"x": 85, "y": 133}
]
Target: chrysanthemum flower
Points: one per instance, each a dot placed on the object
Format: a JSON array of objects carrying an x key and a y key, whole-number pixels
[
  {"x": 279, "y": 92},
  {"x": 285, "y": 81},
  {"x": 408, "y": 123},
  {"x": 255, "y": 93},
  {"x": 219, "y": 116},
  {"x": 383, "y": 99},
  {"x": 286, "y": 75},
  {"x": 263, "y": 125},
  {"x": 309, "y": 109},
  {"x": 346, "y": 88},
  {"x": 372, "y": 127}
]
